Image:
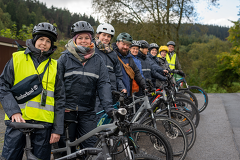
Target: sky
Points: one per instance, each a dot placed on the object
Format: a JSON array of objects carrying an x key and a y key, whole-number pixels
[{"x": 227, "y": 10}]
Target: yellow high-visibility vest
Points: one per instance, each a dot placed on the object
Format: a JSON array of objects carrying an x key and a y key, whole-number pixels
[
  {"x": 24, "y": 67},
  {"x": 172, "y": 61}
]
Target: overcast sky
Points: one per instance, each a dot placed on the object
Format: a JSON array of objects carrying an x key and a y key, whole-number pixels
[{"x": 221, "y": 15}]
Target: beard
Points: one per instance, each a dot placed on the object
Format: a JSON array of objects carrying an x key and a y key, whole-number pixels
[{"x": 123, "y": 52}]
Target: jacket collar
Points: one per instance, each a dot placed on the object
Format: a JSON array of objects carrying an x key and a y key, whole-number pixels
[
  {"x": 141, "y": 55},
  {"x": 37, "y": 52}
]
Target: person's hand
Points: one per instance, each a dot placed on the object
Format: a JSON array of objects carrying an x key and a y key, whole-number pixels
[
  {"x": 124, "y": 91},
  {"x": 17, "y": 117},
  {"x": 165, "y": 71},
  {"x": 110, "y": 113},
  {"x": 181, "y": 73},
  {"x": 54, "y": 138}
]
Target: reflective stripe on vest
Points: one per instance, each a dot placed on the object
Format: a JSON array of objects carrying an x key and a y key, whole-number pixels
[
  {"x": 172, "y": 61},
  {"x": 24, "y": 67}
]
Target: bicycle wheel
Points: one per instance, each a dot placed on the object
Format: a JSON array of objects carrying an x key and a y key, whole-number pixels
[
  {"x": 174, "y": 133},
  {"x": 201, "y": 96},
  {"x": 143, "y": 140},
  {"x": 56, "y": 155},
  {"x": 150, "y": 141},
  {"x": 185, "y": 122},
  {"x": 189, "y": 95},
  {"x": 188, "y": 107},
  {"x": 143, "y": 157}
]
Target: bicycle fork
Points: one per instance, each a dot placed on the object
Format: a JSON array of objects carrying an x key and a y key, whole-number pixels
[{"x": 127, "y": 148}]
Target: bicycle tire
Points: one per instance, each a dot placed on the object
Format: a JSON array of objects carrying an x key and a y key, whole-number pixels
[
  {"x": 143, "y": 157},
  {"x": 140, "y": 134},
  {"x": 202, "y": 104},
  {"x": 174, "y": 133},
  {"x": 56, "y": 155},
  {"x": 189, "y": 108},
  {"x": 137, "y": 131},
  {"x": 189, "y": 95},
  {"x": 186, "y": 123}
]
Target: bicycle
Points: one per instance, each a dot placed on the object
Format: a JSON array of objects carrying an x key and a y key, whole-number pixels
[
  {"x": 109, "y": 133},
  {"x": 199, "y": 93},
  {"x": 169, "y": 101},
  {"x": 27, "y": 129},
  {"x": 172, "y": 130}
]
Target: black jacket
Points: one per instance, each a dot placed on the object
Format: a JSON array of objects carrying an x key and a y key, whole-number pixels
[
  {"x": 9, "y": 103},
  {"x": 114, "y": 69},
  {"x": 149, "y": 68},
  {"x": 164, "y": 64},
  {"x": 82, "y": 82}
]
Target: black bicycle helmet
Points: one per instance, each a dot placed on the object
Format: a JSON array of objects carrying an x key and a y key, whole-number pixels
[
  {"x": 135, "y": 43},
  {"x": 45, "y": 28},
  {"x": 171, "y": 43},
  {"x": 144, "y": 44},
  {"x": 124, "y": 37},
  {"x": 153, "y": 45},
  {"x": 81, "y": 26}
]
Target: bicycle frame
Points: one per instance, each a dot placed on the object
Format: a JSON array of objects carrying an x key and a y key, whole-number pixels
[{"x": 69, "y": 144}]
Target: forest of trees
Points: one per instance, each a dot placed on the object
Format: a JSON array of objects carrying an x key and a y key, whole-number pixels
[
  {"x": 27, "y": 12},
  {"x": 209, "y": 54}
]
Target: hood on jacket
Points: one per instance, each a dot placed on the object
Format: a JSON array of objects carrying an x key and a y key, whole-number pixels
[{"x": 37, "y": 52}]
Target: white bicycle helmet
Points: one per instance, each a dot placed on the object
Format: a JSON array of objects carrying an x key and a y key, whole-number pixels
[{"x": 105, "y": 28}]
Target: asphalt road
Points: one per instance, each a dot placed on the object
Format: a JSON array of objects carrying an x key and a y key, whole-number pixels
[{"x": 218, "y": 133}]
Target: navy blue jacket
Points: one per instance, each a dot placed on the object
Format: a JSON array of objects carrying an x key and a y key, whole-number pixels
[
  {"x": 156, "y": 62},
  {"x": 82, "y": 82},
  {"x": 138, "y": 63},
  {"x": 114, "y": 69},
  {"x": 9, "y": 103},
  {"x": 149, "y": 68},
  {"x": 126, "y": 80}
]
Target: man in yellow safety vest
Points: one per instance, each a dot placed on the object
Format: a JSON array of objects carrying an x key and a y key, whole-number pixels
[{"x": 171, "y": 57}]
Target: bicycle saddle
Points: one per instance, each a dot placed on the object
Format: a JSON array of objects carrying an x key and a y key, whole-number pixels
[{"x": 18, "y": 125}]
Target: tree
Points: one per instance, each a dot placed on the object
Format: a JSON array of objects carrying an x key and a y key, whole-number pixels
[
  {"x": 165, "y": 16},
  {"x": 229, "y": 62},
  {"x": 5, "y": 20}
]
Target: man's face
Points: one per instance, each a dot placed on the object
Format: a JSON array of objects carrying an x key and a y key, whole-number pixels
[
  {"x": 171, "y": 48},
  {"x": 123, "y": 47}
]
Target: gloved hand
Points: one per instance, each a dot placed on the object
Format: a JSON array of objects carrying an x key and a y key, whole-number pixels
[
  {"x": 181, "y": 73},
  {"x": 110, "y": 113}
]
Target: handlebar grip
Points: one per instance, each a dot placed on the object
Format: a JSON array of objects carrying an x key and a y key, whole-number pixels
[{"x": 116, "y": 93}]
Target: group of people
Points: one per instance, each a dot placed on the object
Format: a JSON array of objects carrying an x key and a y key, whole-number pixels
[{"x": 37, "y": 89}]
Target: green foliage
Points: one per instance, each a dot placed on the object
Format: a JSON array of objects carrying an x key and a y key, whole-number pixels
[
  {"x": 199, "y": 61},
  {"x": 5, "y": 20},
  {"x": 228, "y": 71},
  {"x": 26, "y": 12},
  {"x": 60, "y": 48},
  {"x": 25, "y": 33},
  {"x": 9, "y": 33}
]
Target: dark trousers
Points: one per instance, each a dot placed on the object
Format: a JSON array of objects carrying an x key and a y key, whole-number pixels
[
  {"x": 15, "y": 141},
  {"x": 86, "y": 123}
]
